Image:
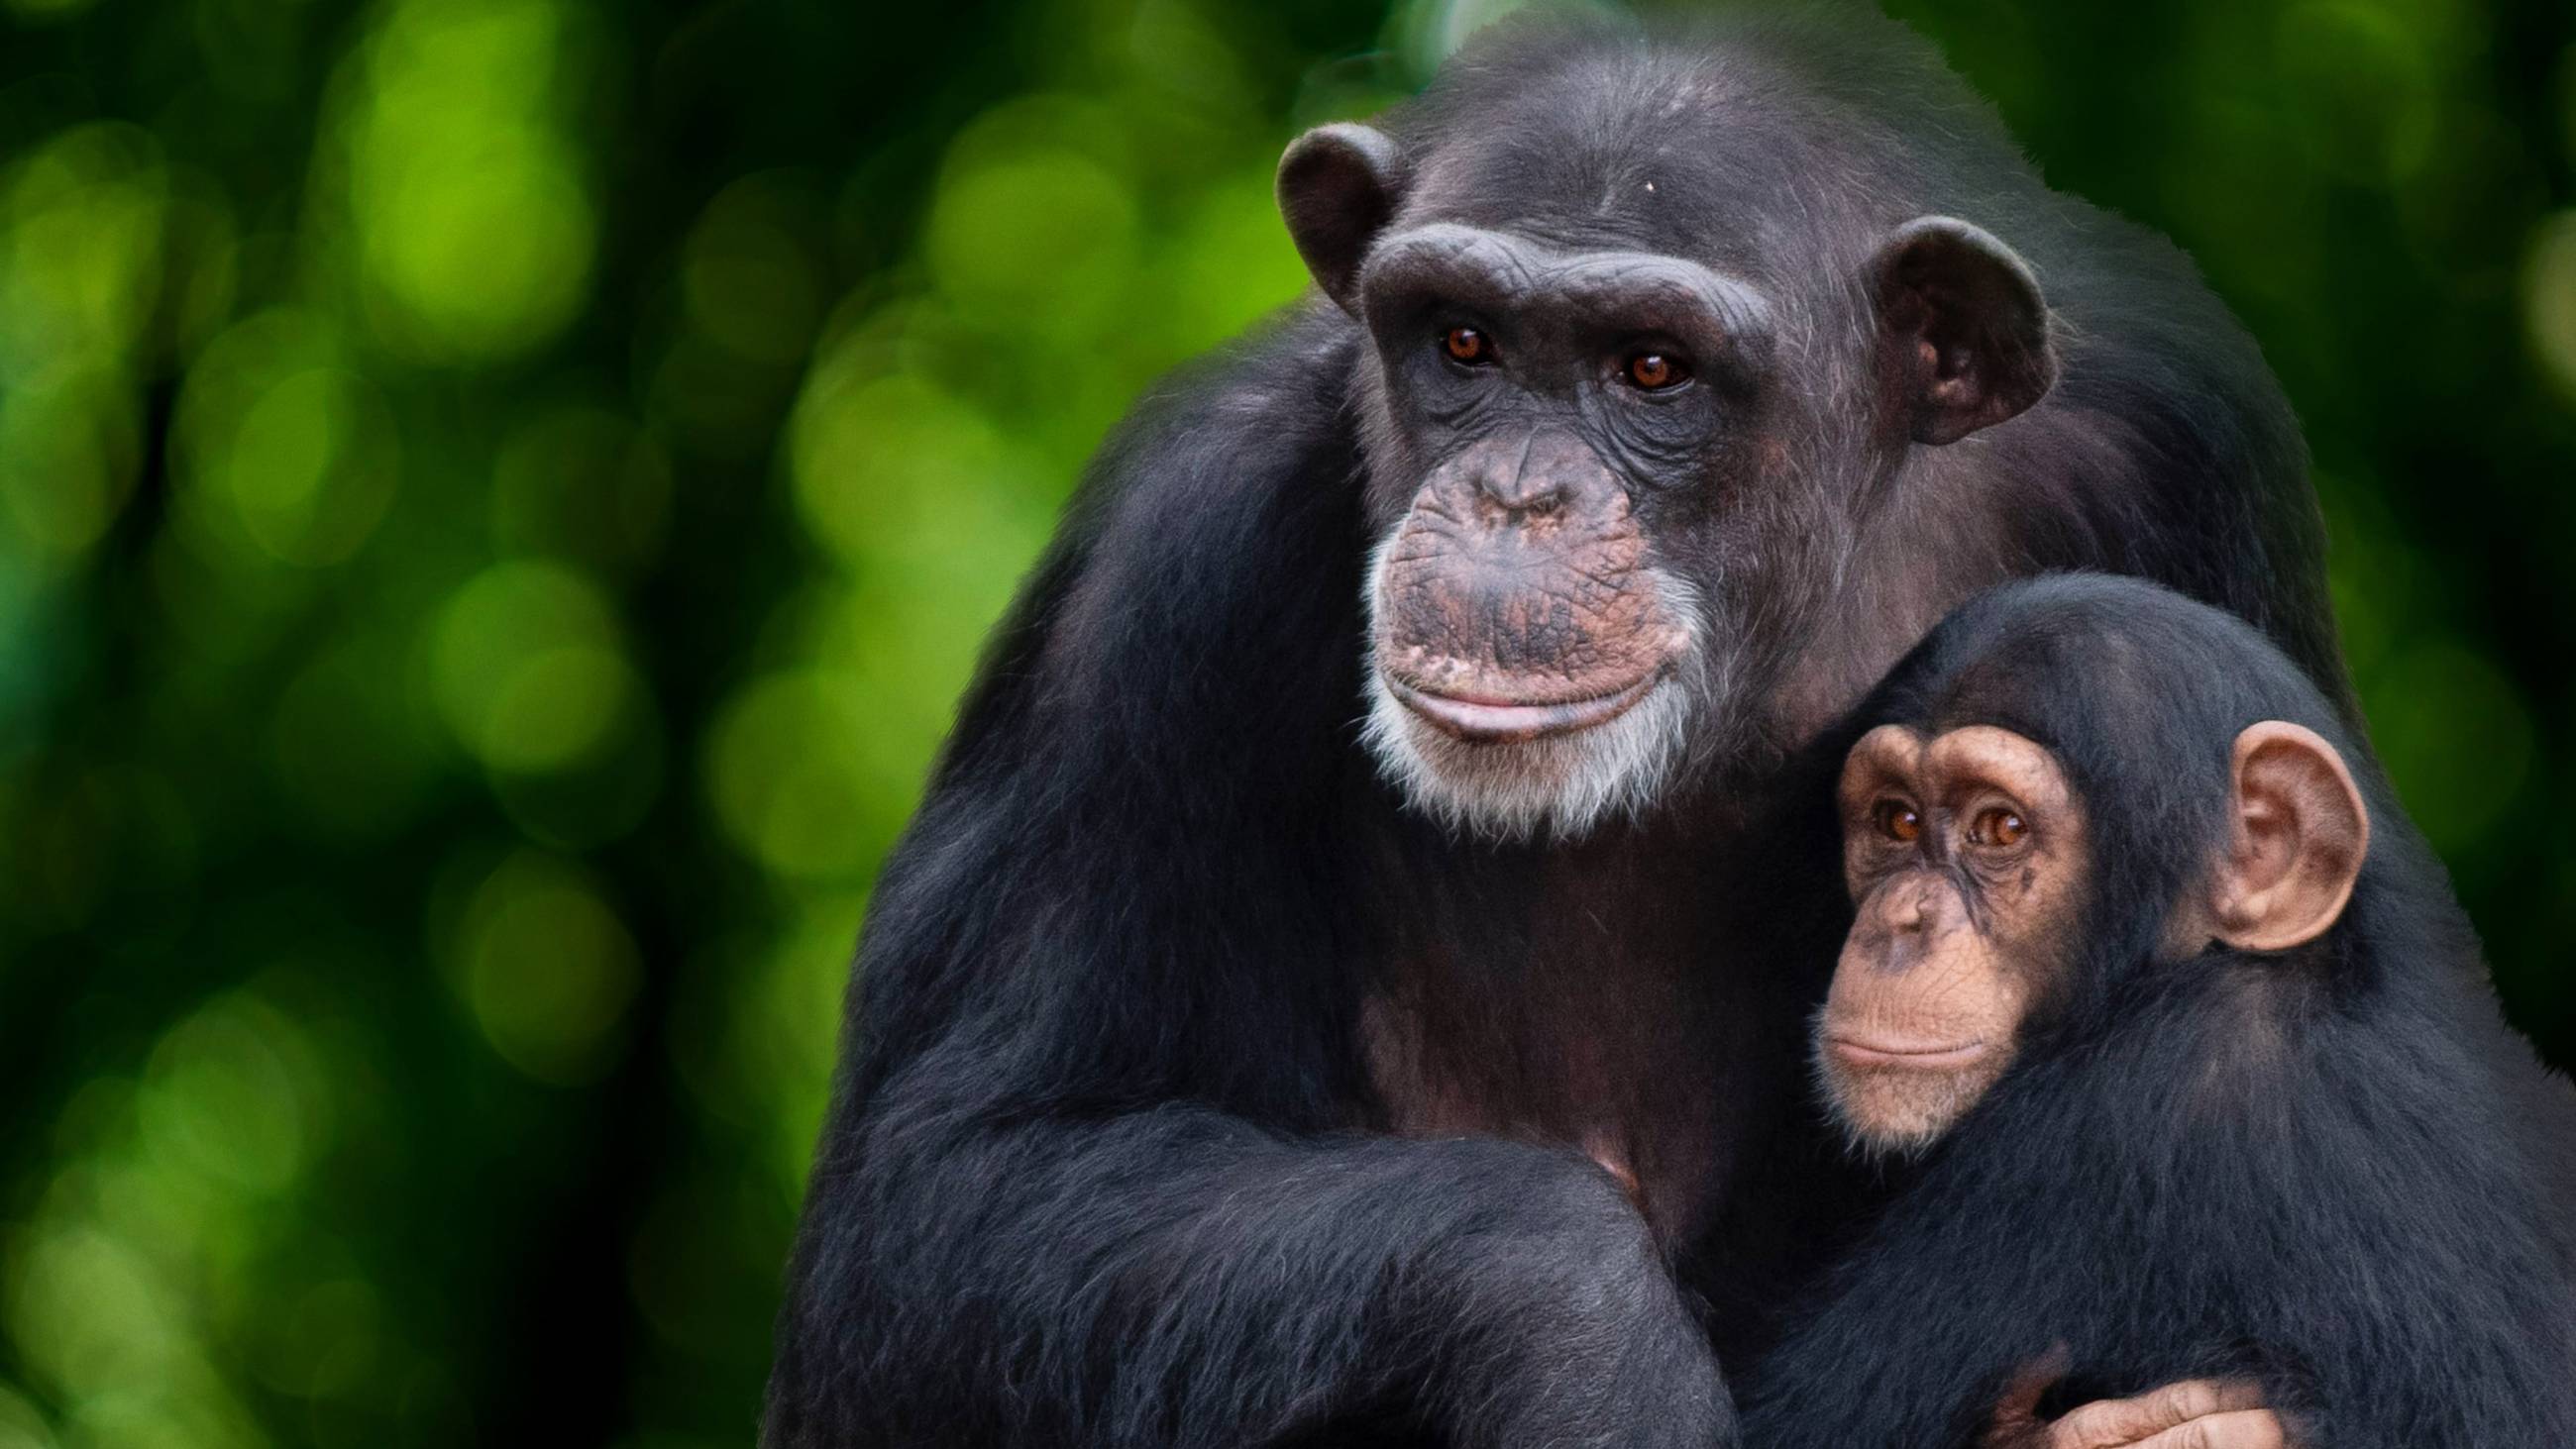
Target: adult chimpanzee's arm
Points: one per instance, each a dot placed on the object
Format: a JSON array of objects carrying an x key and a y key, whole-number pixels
[
  {"x": 1089, "y": 1175},
  {"x": 1181, "y": 1277}
]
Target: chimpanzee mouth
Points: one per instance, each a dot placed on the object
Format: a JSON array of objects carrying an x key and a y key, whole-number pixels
[
  {"x": 1914, "y": 1056},
  {"x": 1497, "y": 720},
  {"x": 1514, "y": 769}
]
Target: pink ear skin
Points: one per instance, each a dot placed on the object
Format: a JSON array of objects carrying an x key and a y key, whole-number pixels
[{"x": 2296, "y": 840}]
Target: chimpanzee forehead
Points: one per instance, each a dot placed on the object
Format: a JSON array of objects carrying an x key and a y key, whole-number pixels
[
  {"x": 1634, "y": 149},
  {"x": 1658, "y": 199},
  {"x": 2020, "y": 766}
]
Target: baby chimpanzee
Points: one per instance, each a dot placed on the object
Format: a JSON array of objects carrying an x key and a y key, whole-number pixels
[{"x": 2184, "y": 1051}]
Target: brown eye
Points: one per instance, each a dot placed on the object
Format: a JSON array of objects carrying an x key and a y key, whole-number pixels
[
  {"x": 1998, "y": 829},
  {"x": 1653, "y": 371},
  {"x": 1897, "y": 821},
  {"x": 1467, "y": 345}
]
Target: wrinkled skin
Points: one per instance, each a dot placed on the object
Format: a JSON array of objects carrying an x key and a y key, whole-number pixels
[
  {"x": 1965, "y": 858},
  {"x": 1520, "y": 578}
]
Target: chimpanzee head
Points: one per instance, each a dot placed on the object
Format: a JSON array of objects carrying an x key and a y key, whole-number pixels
[
  {"x": 1644, "y": 340},
  {"x": 2071, "y": 782}
]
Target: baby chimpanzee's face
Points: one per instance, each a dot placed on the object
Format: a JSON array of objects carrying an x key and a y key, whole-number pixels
[
  {"x": 1965, "y": 855},
  {"x": 1970, "y": 861}
]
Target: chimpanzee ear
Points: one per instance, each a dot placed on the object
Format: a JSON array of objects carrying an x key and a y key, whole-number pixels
[
  {"x": 2296, "y": 840},
  {"x": 1338, "y": 185},
  {"x": 1963, "y": 330}
]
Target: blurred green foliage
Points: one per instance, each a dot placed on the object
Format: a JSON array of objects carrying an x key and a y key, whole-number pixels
[{"x": 497, "y": 498}]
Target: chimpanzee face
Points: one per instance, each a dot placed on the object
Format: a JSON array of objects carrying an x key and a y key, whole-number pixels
[
  {"x": 1602, "y": 510},
  {"x": 1966, "y": 858},
  {"x": 1556, "y": 417},
  {"x": 1971, "y": 864}
]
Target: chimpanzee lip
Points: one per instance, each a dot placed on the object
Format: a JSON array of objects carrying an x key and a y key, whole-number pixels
[
  {"x": 1502, "y": 721},
  {"x": 1917, "y": 1055}
]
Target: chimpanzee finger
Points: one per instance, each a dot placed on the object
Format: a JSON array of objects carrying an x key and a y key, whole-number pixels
[
  {"x": 2242, "y": 1429},
  {"x": 2116, "y": 1423}
]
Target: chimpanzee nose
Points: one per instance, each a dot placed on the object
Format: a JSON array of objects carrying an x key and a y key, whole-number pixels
[
  {"x": 1912, "y": 908},
  {"x": 1523, "y": 480}
]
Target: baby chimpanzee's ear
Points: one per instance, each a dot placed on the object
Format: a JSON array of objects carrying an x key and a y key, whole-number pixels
[{"x": 2297, "y": 835}]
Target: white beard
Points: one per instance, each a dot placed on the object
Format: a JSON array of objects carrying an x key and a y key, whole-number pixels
[{"x": 1556, "y": 787}]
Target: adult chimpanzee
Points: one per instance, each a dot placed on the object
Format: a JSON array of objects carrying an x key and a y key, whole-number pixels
[
  {"x": 2194, "y": 1050},
  {"x": 1219, "y": 1071}
]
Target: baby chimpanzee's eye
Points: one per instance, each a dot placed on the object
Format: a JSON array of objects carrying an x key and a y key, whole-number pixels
[
  {"x": 1897, "y": 821},
  {"x": 1467, "y": 345},
  {"x": 1653, "y": 371},
  {"x": 1997, "y": 829}
]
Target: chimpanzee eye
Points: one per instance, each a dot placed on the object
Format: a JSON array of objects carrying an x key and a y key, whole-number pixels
[
  {"x": 1897, "y": 821},
  {"x": 1467, "y": 345},
  {"x": 1654, "y": 371},
  {"x": 1997, "y": 829}
]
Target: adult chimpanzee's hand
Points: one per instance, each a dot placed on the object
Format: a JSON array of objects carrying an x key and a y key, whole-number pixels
[
  {"x": 2193, "y": 1414},
  {"x": 1559, "y": 1325}
]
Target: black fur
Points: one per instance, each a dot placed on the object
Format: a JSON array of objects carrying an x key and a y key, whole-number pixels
[
  {"x": 2333, "y": 1169},
  {"x": 1105, "y": 1163}
]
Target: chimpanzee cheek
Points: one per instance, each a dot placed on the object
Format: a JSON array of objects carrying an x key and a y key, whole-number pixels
[{"x": 2034, "y": 891}]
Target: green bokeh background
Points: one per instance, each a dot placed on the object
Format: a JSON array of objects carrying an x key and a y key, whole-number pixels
[{"x": 497, "y": 498}]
